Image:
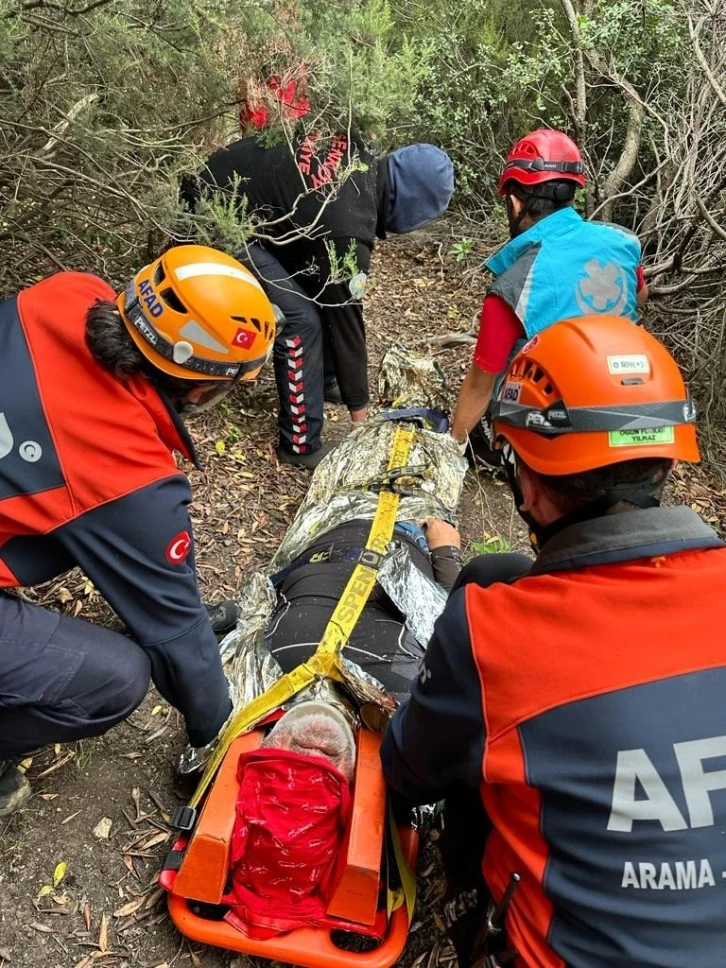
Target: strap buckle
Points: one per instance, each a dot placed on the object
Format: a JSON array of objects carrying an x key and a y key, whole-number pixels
[
  {"x": 183, "y": 819},
  {"x": 399, "y": 480}
]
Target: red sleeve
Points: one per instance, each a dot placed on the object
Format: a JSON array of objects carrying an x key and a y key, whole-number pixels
[
  {"x": 499, "y": 330},
  {"x": 639, "y": 277}
]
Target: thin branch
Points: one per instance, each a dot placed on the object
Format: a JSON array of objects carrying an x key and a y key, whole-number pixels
[
  {"x": 580, "y": 83},
  {"x": 715, "y": 227},
  {"x": 628, "y": 157},
  {"x": 700, "y": 56}
]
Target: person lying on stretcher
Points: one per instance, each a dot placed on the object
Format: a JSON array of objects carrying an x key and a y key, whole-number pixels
[{"x": 296, "y": 790}]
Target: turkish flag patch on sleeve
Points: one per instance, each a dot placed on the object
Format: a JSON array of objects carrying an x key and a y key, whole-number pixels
[
  {"x": 244, "y": 338},
  {"x": 178, "y": 548}
]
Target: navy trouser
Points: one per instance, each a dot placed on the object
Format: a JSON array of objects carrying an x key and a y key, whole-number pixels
[
  {"x": 62, "y": 679},
  {"x": 301, "y": 369}
]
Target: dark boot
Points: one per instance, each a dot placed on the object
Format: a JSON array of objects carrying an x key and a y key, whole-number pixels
[
  {"x": 308, "y": 461},
  {"x": 223, "y": 616},
  {"x": 14, "y": 788}
]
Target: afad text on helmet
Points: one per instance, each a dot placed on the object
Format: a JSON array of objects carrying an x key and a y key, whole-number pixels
[{"x": 153, "y": 304}]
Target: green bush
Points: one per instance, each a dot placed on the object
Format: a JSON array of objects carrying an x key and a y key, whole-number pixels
[{"x": 103, "y": 105}]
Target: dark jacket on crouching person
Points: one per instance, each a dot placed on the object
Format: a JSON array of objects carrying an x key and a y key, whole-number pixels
[
  {"x": 547, "y": 697},
  {"x": 321, "y": 204}
]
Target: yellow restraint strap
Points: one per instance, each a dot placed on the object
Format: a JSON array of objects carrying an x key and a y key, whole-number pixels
[{"x": 324, "y": 663}]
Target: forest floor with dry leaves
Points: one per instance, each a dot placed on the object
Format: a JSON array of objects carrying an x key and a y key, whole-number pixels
[{"x": 78, "y": 865}]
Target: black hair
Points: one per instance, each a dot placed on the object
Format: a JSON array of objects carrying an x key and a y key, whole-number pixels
[
  {"x": 574, "y": 491},
  {"x": 542, "y": 200},
  {"x": 109, "y": 341}
]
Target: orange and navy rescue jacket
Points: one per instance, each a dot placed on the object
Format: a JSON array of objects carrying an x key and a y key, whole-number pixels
[
  {"x": 586, "y": 701},
  {"x": 88, "y": 477}
]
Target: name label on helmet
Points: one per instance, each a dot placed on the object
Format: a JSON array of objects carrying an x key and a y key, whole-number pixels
[
  {"x": 150, "y": 298},
  {"x": 635, "y": 363},
  {"x": 512, "y": 392},
  {"x": 641, "y": 438}
]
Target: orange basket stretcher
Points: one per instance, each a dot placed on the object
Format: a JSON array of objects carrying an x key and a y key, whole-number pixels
[{"x": 197, "y": 874}]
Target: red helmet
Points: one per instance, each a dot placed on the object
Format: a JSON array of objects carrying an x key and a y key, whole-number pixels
[{"x": 543, "y": 156}]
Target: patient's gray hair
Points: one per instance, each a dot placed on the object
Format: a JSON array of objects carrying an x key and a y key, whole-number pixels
[{"x": 315, "y": 734}]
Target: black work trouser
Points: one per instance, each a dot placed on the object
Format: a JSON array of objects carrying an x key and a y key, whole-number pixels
[
  {"x": 309, "y": 594},
  {"x": 466, "y": 826},
  {"x": 302, "y": 368},
  {"x": 62, "y": 679}
]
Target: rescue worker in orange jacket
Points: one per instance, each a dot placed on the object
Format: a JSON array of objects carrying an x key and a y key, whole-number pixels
[
  {"x": 571, "y": 711},
  {"x": 91, "y": 389}
]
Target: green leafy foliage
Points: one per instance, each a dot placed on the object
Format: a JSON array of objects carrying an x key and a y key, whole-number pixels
[
  {"x": 491, "y": 546},
  {"x": 103, "y": 107},
  {"x": 343, "y": 265},
  {"x": 462, "y": 248}
]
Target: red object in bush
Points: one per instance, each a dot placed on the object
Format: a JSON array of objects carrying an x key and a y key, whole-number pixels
[
  {"x": 297, "y": 104},
  {"x": 292, "y": 813}
]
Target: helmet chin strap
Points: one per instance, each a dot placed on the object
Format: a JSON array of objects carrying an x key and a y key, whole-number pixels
[{"x": 640, "y": 495}]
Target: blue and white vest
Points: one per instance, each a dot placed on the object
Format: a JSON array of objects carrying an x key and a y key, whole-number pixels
[{"x": 564, "y": 266}]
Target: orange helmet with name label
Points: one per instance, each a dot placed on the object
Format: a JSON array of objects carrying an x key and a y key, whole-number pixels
[
  {"x": 198, "y": 314},
  {"x": 594, "y": 391}
]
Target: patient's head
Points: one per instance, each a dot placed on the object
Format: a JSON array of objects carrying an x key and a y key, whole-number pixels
[{"x": 316, "y": 729}]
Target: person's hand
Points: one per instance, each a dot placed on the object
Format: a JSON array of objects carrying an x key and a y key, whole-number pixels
[
  {"x": 462, "y": 443},
  {"x": 441, "y": 534}
]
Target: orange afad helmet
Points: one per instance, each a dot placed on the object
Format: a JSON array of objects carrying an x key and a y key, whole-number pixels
[
  {"x": 594, "y": 391},
  {"x": 198, "y": 314}
]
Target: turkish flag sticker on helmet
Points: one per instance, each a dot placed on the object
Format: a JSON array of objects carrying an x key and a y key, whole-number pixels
[
  {"x": 178, "y": 548},
  {"x": 244, "y": 338}
]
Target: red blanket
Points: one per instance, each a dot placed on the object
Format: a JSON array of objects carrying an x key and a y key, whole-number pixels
[{"x": 292, "y": 813}]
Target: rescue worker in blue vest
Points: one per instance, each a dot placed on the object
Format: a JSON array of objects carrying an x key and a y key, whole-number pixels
[
  {"x": 570, "y": 711},
  {"x": 92, "y": 385},
  {"x": 556, "y": 266}
]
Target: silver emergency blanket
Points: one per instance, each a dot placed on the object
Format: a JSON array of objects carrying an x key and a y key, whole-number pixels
[
  {"x": 345, "y": 487},
  {"x": 409, "y": 380},
  {"x": 413, "y": 593}
]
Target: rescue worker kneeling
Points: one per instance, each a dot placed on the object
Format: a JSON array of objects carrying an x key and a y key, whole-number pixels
[
  {"x": 92, "y": 388},
  {"x": 570, "y": 712}
]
